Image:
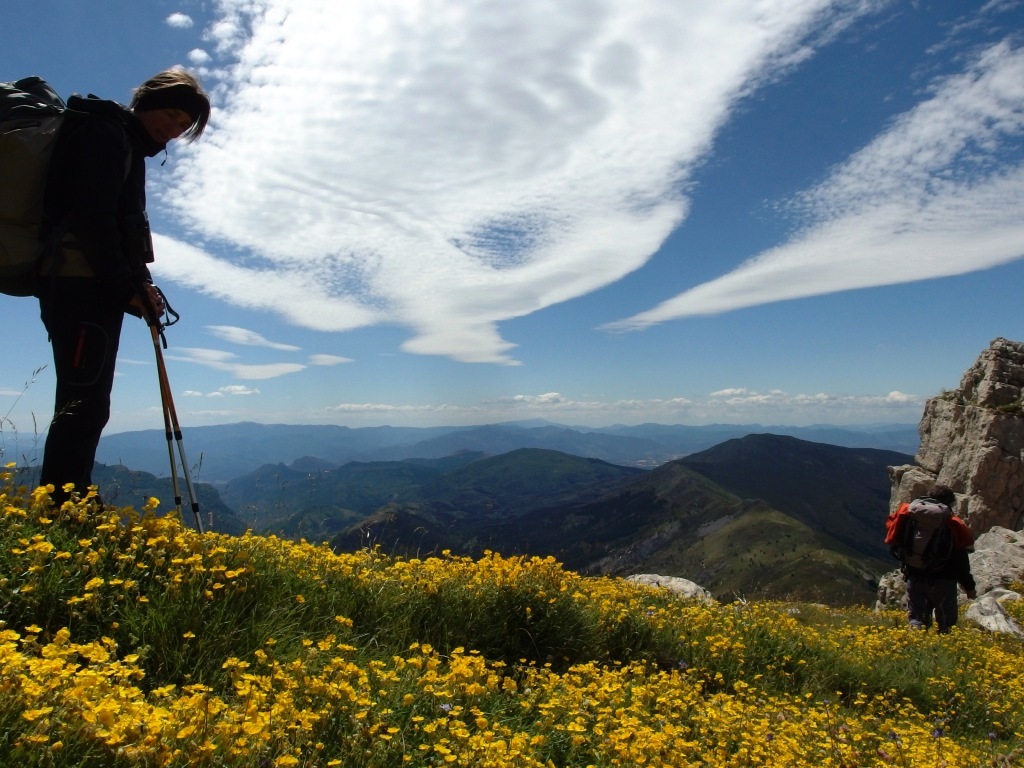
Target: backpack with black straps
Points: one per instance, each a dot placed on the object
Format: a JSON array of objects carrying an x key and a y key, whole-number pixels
[
  {"x": 33, "y": 121},
  {"x": 926, "y": 540},
  {"x": 32, "y": 116}
]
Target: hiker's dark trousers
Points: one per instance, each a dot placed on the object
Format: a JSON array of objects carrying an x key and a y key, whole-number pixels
[
  {"x": 84, "y": 330},
  {"x": 927, "y": 595}
]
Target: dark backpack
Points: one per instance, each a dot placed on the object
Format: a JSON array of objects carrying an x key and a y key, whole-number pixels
[
  {"x": 33, "y": 120},
  {"x": 926, "y": 541}
]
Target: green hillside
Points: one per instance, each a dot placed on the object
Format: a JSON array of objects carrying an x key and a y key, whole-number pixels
[
  {"x": 765, "y": 554},
  {"x": 270, "y": 496},
  {"x": 841, "y": 491},
  {"x": 465, "y": 485},
  {"x": 516, "y": 482},
  {"x": 676, "y": 522}
]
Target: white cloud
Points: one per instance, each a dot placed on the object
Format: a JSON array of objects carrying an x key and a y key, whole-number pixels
[
  {"x": 245, "y": 337},
  {"x": 238, "y": 389},
  {"x": 226, "y": 361},
  {"x": 328, "y": 360},
  {"x": 931, "y": 197},
  {"x": 447, "y": 166},
  {"x": 381, "y": 408},
  {"x": 730, "y": 392},
  {"x": 179, "y": 21},
  {"x": 198, "y": 57},
  {"x": 739, "y": 405},
  {"x": 296, "y": 295},
  {"x": 550, "y": 398}
]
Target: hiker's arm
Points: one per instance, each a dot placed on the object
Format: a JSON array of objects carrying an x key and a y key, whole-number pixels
[{"x": 962, "y": 568}]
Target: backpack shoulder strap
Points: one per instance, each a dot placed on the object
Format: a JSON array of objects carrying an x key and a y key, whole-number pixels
[{"x": 90, "y": 107}]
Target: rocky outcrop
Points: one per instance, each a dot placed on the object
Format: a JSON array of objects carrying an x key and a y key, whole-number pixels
[
  {"x": 998, "y": 559},
  {"x": 988, "y": 613},
  {"x": 972, "y": 439},
  {"x": 682, "y": 587}
]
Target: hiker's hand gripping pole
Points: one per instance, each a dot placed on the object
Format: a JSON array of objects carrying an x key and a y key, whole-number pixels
[{"x": 171, "y": 426}]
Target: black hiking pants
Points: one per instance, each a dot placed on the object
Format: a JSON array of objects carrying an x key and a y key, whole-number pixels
[
  {"x": 84, "y": 326},
  {"x": 928, "y": 595}
]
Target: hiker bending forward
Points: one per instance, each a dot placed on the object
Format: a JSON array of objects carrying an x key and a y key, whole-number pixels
[
  {"x": 96, "y": 209},
  {"x": 933, "y": 545}
]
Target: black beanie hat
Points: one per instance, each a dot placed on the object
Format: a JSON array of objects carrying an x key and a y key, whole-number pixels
[{"x": 179, "y": 96}]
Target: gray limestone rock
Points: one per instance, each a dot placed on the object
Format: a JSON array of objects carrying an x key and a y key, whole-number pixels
[
  {"x": 988, "y": 613},
  {"x": 680, "y": 586},
  {"x": 972, "y": 439},
  {"x": 998, "y": 559}
]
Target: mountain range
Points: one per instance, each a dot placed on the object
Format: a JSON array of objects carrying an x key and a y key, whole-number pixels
[
  {"x": 764, "y": 515},
  {"x": 223, "y": 452}
]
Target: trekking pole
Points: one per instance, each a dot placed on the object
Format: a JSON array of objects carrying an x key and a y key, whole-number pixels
[
  {"x": 172, "y": 428},
  {"x": 168, "y": 433}
]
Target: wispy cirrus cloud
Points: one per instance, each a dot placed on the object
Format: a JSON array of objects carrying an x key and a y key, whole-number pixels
[
  {"x": 737, "y": 404},
  {"x": 449, "y": 166},
  {"x": 940, "y": 193},
  {"x": 245, "y": 337},
  {"x": 234, "y": 390},
  {"x": 228, "y": 362},
  {"x": 328, "y": 360}
]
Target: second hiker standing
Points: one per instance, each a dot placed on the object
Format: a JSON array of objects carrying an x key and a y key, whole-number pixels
[{"x": 933, "y": 546}]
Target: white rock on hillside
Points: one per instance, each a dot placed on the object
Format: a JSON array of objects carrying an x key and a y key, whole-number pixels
[
  {"x": 680, "y": 586},
  {"x": 988, "y": 613},
  {"x": 998, "y": 559}
]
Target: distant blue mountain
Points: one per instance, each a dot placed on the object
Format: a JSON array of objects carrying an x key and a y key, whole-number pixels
[{"x": 223, "y": 452}]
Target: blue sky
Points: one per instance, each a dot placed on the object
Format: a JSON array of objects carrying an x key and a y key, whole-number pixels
[{"x": 592, "y": 212}]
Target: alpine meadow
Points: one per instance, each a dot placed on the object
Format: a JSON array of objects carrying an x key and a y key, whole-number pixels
[{"x": 130, "y": 640}]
